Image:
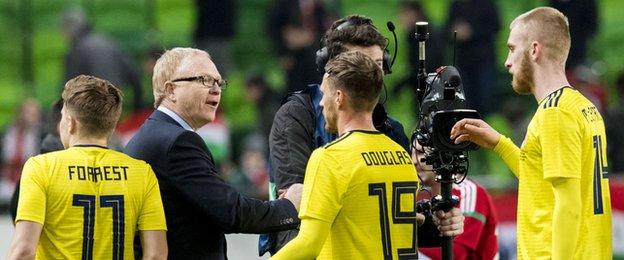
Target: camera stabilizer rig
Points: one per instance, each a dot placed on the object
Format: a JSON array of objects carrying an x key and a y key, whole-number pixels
[{"x": 442, "y": 103}]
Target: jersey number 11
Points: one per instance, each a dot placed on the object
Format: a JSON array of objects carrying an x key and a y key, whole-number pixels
[{"x": 110, "y": 201}]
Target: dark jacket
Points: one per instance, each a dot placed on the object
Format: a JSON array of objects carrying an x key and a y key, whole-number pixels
[
  {"x": 199, "y": 206},
  {"x": 298, "y": 129}
]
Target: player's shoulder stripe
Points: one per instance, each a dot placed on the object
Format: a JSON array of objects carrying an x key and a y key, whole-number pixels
[
  {"x": 337, "y": 140},
  {"x": 552, "y": 100},
  {"x": 548, "y": 99},
  {"x": 558, "y": 96}
]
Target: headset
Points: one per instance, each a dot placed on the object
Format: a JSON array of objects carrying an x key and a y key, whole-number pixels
[{"x": 323, "y": 55}]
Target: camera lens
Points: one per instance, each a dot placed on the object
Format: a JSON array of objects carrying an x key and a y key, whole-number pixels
[
  {"x": 443, "y": 122},
  {"x": 445, "y": 135}
]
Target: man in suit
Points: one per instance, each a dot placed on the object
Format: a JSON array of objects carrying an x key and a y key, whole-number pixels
[{"x": 199, "y": 206}]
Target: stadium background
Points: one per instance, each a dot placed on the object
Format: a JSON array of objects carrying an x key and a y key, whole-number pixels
[{"x": 32, "y": 53}]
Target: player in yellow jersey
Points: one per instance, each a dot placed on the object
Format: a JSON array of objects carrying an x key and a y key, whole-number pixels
[
  {"x": 88, "y": 201},
  {"x": 360, "y": 190},
  {"x": 564, "y": 206}
]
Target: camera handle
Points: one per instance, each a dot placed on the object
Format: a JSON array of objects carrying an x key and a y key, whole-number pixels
[
  {"x": 456, "y": 163},
  {"x": 446, "y": 175},
  {"x": 445, "y": 202}
]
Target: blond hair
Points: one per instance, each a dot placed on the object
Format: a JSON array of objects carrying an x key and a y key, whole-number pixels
[
  {"x": 165, "y": 66},
  {"x": 94, "y": 102},
  {"x": 549, "y": 27}
]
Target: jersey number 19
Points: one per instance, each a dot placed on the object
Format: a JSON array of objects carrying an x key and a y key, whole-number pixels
[{"x": 398, "y": 216}]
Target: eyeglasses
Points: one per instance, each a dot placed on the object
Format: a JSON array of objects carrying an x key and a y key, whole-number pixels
[{"x": 207, "y": 81}]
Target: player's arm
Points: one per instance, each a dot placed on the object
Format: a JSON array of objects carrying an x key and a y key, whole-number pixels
[
  {"x": 154, "y": 244},
  {"x": 482, "y": 134},
  {"x": 560, "y": 140},
  {"x": 309, "y": 241},
  {"x": 510, "y": 153},
  {"x": 30, "y": 211},
  {"x": 25, "y": 240},
  {"x": 151, "y": 223},
  {"x": 566, "y": 217},
  {"x": 323, "y": 188}
]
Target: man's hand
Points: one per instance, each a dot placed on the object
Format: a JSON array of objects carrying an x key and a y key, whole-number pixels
[
  {"x": 420, "y": 218},
  {"x": 449, "y": 223},
  {"x": 476, "y": 131},
  {"x": 294, "y": 194}
]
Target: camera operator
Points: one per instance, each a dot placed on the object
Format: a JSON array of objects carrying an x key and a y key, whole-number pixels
[
  {"x": 299, "y": 125},
  {"x": 564, "y": 206},
  {"x": 479, "y": 239},
  {"x": 351, "y": 181}
]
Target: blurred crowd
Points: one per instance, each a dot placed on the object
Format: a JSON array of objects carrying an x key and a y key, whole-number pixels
[{"x": 294, "y": 29}]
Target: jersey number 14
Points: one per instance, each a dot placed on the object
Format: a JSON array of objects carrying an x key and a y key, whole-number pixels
[{"x": 600, "y": 172}]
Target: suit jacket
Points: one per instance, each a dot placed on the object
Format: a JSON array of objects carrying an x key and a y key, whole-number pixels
[{"x": 199, "y": 206}]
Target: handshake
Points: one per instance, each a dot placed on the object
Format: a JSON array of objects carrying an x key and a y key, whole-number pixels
[
  {"x": 450, "y": 223},
  {"x": 293, "y": 194}
]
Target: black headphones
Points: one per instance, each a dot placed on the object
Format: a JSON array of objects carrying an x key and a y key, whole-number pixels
[{"x": 323, "y": 55}]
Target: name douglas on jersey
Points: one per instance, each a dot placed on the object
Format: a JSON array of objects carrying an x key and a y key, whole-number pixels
[{"x": 386, "y": 158}]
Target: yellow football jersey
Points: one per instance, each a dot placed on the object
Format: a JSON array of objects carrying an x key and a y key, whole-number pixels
[
  {"x": 365, "y": 185},
  {"x": 91, "y": 201},
  {"x": 566, "y": 138}
]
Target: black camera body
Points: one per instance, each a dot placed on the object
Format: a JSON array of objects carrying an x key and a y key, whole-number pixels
[{"x": 443, "y": 103}]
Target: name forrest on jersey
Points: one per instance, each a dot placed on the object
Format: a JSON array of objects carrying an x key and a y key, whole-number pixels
[
  {"x": 95, "y": 174},
  {"x": 377, "y": 158}
]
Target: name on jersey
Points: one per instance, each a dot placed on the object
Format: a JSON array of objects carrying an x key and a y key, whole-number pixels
[
  {"x": 95, "y": 174},
  {"x": 386, "y": 158},
  {"x": 591, "y": 114}
]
